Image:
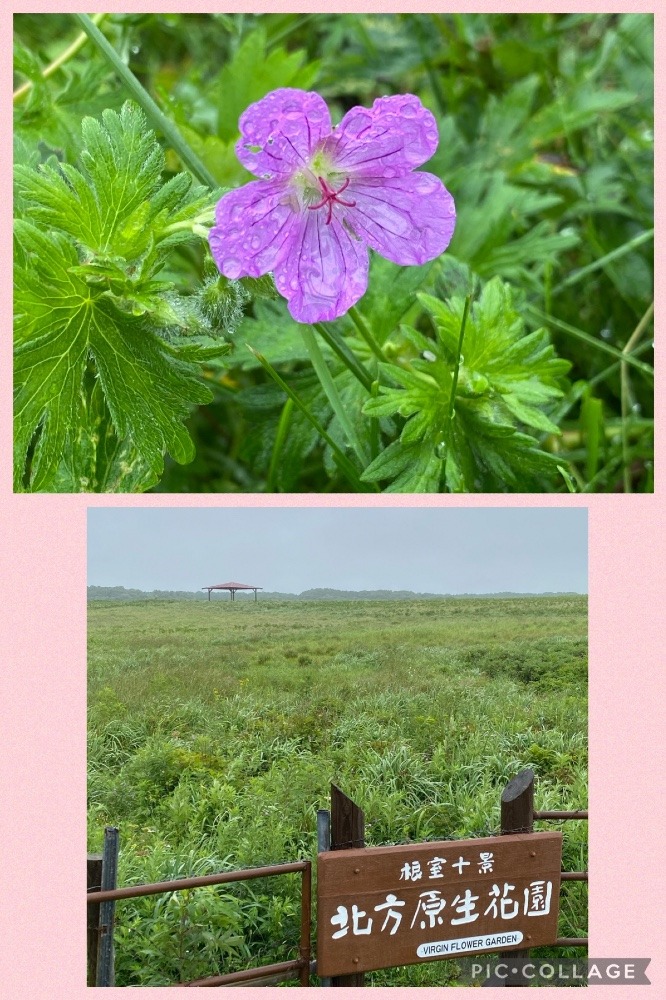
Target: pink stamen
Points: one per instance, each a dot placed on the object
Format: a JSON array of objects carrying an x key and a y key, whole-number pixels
[{"x": 330, "y": 197}]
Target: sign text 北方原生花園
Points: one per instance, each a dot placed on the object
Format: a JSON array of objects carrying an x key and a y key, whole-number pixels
[{"x": 388, "y": 906}]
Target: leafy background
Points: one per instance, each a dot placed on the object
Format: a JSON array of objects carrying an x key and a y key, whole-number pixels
[{"x": 132, "y": 366}]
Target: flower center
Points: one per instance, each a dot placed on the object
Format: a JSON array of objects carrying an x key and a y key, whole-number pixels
[{"x": 330, "y": 197}]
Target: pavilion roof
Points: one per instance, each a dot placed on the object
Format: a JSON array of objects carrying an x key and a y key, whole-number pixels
[{"x": 232, "y": 585}]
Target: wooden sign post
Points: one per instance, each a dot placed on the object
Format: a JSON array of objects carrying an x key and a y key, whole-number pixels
[{"x": 387, "y": 906}]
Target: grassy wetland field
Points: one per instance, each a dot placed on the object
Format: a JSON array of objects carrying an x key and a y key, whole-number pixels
[{"x": 215, "y": 730}]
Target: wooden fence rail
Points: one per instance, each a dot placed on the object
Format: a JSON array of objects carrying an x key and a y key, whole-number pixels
[
  {"x": 517, "y": 815},
  {"x": 343, "y": 828}
]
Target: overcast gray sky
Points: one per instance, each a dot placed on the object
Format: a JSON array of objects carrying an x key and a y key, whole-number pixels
[{"x": 291, "y": 549}]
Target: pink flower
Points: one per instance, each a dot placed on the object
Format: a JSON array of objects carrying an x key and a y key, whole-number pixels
[{"x": 327, "y": 194}]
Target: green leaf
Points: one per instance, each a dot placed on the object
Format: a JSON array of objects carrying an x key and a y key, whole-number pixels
[
  {"x": 114, "y": 204},
  {"x": 61, "y": 328},
  {"x": 254, "y": 72},
  {"x": 98, "y": 461},
  {"x": 272, "y": 332},
  {"x": 390, "y": 295},
  {"x": 413, "y": 468},
  {"x": 505, "y": 380},
  {"x": 496, "y": 346},
  {"x": 91, "y": 317},
  {"x": 578, "y": 109},
  {"x": 50, "y": 113}
]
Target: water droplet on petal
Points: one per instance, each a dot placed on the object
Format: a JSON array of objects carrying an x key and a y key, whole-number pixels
[
  {"x": 232, "y": 267},
  {"x": 440, "y": 450}
]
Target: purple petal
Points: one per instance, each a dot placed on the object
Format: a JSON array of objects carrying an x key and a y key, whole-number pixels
[
  {"x": 387, "y": 140},
  {"x": 255, "y": 225},
  {"x": 325, "y": 271},
  {"x": 279, "y": 132},
  {"x": 408, "y": 220}
]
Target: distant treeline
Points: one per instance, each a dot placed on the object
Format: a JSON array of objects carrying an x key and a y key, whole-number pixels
[{"x": 318, "y": 594}]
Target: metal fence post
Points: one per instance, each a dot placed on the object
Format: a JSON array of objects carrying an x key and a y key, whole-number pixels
[
  {"x": 347, "y": 831},
  {"x": 94, "y": 884},
  {"x": 105, "y": 972},
  {"x": 323, "y": 844}
]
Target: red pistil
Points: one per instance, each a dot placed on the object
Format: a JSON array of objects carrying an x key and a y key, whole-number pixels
[{"x": 331, "y": 196}]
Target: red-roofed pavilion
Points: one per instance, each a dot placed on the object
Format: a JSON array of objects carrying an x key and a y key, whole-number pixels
[{"x": 232, "y": 588}]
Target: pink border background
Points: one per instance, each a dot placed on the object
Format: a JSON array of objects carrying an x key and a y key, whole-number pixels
[{"x": 42, "y": 591}]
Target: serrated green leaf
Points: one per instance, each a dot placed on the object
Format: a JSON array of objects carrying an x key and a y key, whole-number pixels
[
  {"x": 529, "y": 415},
  {"x": 504, "y": 378},
  {"x": 89, "y": 307},
  {"x": 50, "y": 113},
  {"x": 98, "y": 461},
  {"x": 413, "y": 468},
  {"x": 61, "y": 327},
  {"x": 114, "y": 205}
]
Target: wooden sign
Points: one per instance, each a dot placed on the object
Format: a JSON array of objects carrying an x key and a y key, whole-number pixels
[{"x": 386, "y": 906}]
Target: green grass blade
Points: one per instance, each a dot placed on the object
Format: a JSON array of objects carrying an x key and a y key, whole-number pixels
[
  {"x": 142, "y": 97},
  {"x": 620, "y": 251},
  {"x": 346, "y": 355},
  {"x": 280, "y": 437},
  {"x": 329, "y": 387},
  {"x": 587, "y": 338},
  {"x": 341, "y": 459}
]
